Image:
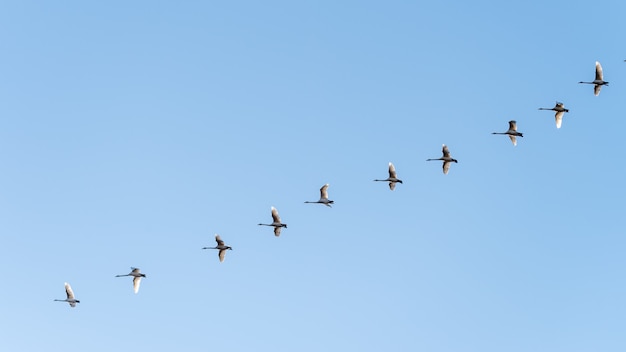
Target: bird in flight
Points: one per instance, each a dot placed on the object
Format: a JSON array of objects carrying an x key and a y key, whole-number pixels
[
  {"x": 512, "y": 132},
  {"x": 393, "y": 178},
  {"x": 447, "y": 159},
  {"x": 70, "y": 296},
  {"x": 599, "y": 81},
  {"x": 560, "y": 111},
  {"x": 276, "y": 223},
  {"x": 324, "y": 197},
  {"x": 137, "y": 275},
  {"x": 221, "y": 246}
]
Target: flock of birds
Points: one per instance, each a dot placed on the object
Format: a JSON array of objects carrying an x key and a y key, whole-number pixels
[{"x": 393, "y": 179}]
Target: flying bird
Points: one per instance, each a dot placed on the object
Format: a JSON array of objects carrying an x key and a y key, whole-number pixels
[
  {"x": 512, "y": 132},
  {"x": 560, "y": 111},
  {"x": 599, "y": 81},
  {"x": 393, "y": 178},
  {"x": 324, "y": 197},
  {"x": 136, "y": 278},
  {"x": 276, "y": 222},
  {"x": 221, "y": 246},
  {"x": 447, "y": 159},
  {"x": 70, "y": 296}
]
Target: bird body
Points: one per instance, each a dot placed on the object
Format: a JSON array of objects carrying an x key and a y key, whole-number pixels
[
  {"x": 276, "y": 222},
  {"x": 137, "y": 275},
  {"x": 70, "y": 296},
  {"x": 393, "y": 177},
  {"x": 512, "y": 132},
  {"x": 324, "y": 197},
  {"x": 560, "y": 111},
  {"x": 599, "y": 81},
  {"x": 221, "y": 246},
  {"x": 446, "y": 158}
]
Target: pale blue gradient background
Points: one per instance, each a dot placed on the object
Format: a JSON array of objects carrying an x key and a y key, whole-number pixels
[{"x": 133, "y": 131}]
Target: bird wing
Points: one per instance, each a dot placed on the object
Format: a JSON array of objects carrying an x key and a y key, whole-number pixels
[
  {"x": 277, "y": 231},
  {"x": 135, "y": 271},
  {"x": 275, "y": 215},
  {"x": 596, "y": 89},
  {"x": 68, "y": 291},
  {"x": 559, "y": 118},
  {"x": 446, "y": 151},
  {"x": 392, "y": 171},
  {"x": 446, "y": 167},
  {"x": 392, "y": 185},
  {"x": 513, "y": 139},
  {"x": 136, "y": 283},
  {"x": 324, "y": 191},
  {"x": 219, "y": 240},
  {"x": 222, "y": 254},
  {"x": 599, "y": 74},
  {"x": 512, "y": 125}
]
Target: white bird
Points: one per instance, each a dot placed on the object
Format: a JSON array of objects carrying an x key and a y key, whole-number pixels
[
  {"x": 447, "y": 159},
  {"x": 393, "y": 178},
  {"x": 221, "y": 246},
  {"x": 512, "y": 132},
  {"x": 276, "y": 223},
  {"x": 70, "y": 296},
  {"x": 560, "y": 111},
  {"x": 324, "y": 197},
  {"x": 599, "y": 81},
  {"x": 136, "y": 278}
]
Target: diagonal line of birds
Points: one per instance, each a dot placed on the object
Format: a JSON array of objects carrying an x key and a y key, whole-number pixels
[{"x": 393, "y": 179}]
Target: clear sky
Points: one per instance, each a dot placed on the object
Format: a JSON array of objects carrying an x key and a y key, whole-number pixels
[{"x": 131, "y": 132}]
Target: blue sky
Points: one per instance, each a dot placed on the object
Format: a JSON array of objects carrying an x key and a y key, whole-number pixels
[{"x": 132, "y": 132}]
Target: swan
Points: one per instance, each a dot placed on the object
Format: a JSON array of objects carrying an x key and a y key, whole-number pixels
[
  {"x": 599, "y": 81},
  {"x": 512, "y": 132},
  {"x": 136, "y": 278},
  {"x": 70, "y": 296},
  {"x": 447, "y": 159},
  {"x": 324, "y": 197},
  {"x": 221, "y": 246},
  {"x": 393, "y": 178},
  {"x": 276, "y": 223},
  {"x": 560, "y": 111}
]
